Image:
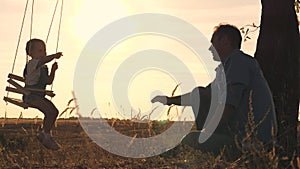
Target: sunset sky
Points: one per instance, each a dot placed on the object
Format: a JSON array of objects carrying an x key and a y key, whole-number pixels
[{"x": 83, "y": 18}]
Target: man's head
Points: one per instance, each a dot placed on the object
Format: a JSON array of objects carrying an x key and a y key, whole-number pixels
[
  {"x": 225, "y": 39},
  {"x": 36, "y": 48}
]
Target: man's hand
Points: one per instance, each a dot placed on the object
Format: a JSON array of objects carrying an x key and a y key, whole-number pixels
[{"x": 161, "y": 99}]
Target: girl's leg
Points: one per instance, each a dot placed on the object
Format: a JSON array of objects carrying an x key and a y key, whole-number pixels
[
  {"x": 51, "y": 113},
  {"x": 48, "y": 109}
]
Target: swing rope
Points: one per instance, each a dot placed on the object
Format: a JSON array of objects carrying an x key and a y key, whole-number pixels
[
  {"x": 51, "y": 21},
  {"x": 19, "y": 38},
  {"x": 18, "y": 43},
  {"x": 31, "y": 26},
  {"x": 31, "y": 18},
  {"x": 59, "y": 25},
  {"x": 58, "y": 32}
]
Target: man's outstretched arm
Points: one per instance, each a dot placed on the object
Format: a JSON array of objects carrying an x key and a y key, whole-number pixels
[{"x": 182, "y": 100}]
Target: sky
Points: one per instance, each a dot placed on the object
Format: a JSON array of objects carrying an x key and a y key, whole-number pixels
[{"x": 82, "y": 19}]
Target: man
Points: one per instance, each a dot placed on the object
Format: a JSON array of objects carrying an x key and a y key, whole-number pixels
[{"x": 247, "y": 91}]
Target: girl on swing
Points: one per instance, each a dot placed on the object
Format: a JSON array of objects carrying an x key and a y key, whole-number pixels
[{"x": 37, "y": 77}]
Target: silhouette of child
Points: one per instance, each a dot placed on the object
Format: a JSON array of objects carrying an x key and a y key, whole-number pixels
[{"x": 36, "y": 76}]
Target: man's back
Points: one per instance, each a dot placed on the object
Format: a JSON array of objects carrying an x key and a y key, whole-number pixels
[{"x": 248, "y": 89}]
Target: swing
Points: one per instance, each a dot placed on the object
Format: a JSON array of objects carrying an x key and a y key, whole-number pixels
[{"x": 12, "y": 78}]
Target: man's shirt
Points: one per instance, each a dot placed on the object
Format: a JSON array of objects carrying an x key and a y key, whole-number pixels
[{"x": 247, "y": 89}]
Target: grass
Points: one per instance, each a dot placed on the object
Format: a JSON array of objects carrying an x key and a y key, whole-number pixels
[{"x": 19, "y": 148}]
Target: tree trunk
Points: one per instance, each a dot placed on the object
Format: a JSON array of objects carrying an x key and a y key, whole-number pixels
[{"x": 278, "y": 51}]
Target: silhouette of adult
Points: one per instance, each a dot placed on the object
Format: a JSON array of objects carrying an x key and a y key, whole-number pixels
[{"x": 246, "y": 89}]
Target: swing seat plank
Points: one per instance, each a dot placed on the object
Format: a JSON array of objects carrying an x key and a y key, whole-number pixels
[
  {"x": 16, "y": 77},
  {"x": 38, "y": 90},
  {"x": 17, "y": 102},
  {"x": 26, "y": 91},
  {"x": 18, "y": 87},
  {"x": 16, "y": 90},
  {"x": 47, "y": 92}
]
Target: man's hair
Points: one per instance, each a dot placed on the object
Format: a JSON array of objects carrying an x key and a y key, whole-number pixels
[
  {"x": 30, "y": 45},
  {"x": 232, "y": 32}
]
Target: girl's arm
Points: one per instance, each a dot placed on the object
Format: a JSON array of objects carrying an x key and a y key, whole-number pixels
[
  {"x": 49, "y": 58},
  {"x": 52, "y": 73}
]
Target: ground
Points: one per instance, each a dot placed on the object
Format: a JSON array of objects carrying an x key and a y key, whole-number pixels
[{"x": 19, "y": 148}]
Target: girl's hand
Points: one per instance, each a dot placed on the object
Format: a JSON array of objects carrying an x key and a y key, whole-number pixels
[
  {"x": 54, "y": 66},
  {"x": 57, "y": 55}
]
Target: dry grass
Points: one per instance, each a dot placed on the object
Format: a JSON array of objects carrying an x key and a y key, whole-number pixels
[{"x": 19, "y": 148}]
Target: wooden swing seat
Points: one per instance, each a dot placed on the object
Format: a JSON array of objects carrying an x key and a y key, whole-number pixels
[
  {"x": 19, "y": 89},
  {"x": 17, "y": 102}
]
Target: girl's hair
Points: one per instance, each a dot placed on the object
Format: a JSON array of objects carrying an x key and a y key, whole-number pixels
[{"x": 30, "y": 45}]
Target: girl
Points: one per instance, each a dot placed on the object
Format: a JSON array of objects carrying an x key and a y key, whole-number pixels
[{"x": 36, "y": 76}]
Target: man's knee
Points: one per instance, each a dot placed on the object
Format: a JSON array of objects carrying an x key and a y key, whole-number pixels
[{"x": 201, "y": 109}]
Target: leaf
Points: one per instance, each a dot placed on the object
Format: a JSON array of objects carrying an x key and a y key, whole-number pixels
[
  {"x": 70, "y": 101},
  {"x": 36, "y": 119},
  {"x": 144, "y": 117},
  {"x": 66, "y": 109},
  {"x": 170, "y": 109},
  {"x": 152, "y": 111},
  {"x": 21, "y": 116},
  {"x": 173, "y": 92},
  {"x": 72, "y": 109},
  {"x": 132, "y": 140},
  {"x": 25, "y": 131},
  {"x": 92, "y": 112},
  {"x": 243, "y": 31},
  {"x": 247, "y": 31},
  {"x": 297, "y": 6}
]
